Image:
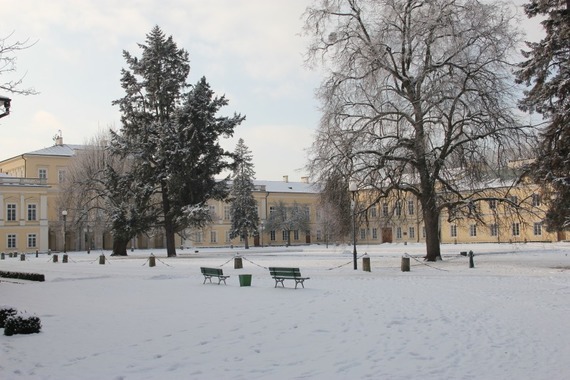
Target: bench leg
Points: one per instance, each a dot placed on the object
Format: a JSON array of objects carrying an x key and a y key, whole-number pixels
[
  {"x": 279, "y": 281},
  {"x": 207, "y": 278}
]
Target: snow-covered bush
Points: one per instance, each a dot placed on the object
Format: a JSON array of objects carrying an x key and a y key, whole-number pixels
[
  {"x": 22, "y": 323},
  {"x": 5, "y": 312}
]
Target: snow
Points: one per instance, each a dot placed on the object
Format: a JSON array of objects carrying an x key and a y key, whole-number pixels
[{"x": 507, "y": 318}]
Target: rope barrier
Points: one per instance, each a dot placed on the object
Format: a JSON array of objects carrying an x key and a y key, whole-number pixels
[
  {"x": 350, "y": 262},
  {"x": 427, "y": 265},
  {"x": 261, "y": 266}
]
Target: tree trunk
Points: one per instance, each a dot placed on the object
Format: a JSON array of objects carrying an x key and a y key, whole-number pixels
[
  {"x": 245, "y": 240},
  {"x": 168, "y": 223},
  {"x": 120, "y": 246},
  {"x": 431, "y": 222}
]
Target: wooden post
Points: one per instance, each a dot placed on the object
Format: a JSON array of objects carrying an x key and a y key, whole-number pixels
[
  {"x": 54, "y": 258},
  {"x": 102, "y": 259},
  {"x": 2, "y": 256},
  {"x": 471, "y": 263},
  {"x": 64, "y": 258},
  {"x": 366, "y": 263},
  {"x": 23, "y": 257},
  {"x": 405, "y": 264},
  {"x": 152, "y": 261},
  {"x": 238, "y": 264}
]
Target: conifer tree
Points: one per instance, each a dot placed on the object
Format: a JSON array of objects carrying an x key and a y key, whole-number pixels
[
  {"x": 172, "y": 135},
  {"x": 547, "y": 71},
  {"x": 243, "y": 206}
]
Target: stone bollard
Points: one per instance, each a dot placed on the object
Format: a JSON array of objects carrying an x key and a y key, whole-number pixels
[
  {"x": 23, "y": 257},
  {"x": 10, "y": 254},
  {"x": 152, "y": 261},
  {"x": 238, "y": 264},
  {"x": 2, "y": 256},
  {"x": 471, "y": 263},
  {"x": 405, "y": 264},
  {"x": 366, "y": 263},
  {"x": 37, "y": 253},
  {"x": 64, "y": 258},
  {"x": 54, "y": 258},
  {"x": 102, "y": 259}
]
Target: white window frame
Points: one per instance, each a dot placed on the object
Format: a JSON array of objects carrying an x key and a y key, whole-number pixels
[
  {"x": 11, "y": 212},
  {"x": 32, "y": 240}
]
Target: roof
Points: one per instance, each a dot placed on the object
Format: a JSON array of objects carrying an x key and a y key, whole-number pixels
[
  {"x": 286, "y": 187},
  {"x": 66, "y": 150}
]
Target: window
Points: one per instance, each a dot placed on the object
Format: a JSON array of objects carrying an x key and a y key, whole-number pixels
[
  {"x": 385, "y": 209},
  {"x": 272, "y": 235},
  {"x": 227, "y": 213},
  {"x": 362, "y": 234},
  {"x": 516, "y": 229},
  {"x": 198, "y": 237},
  {"x": 535, "y": 200},
  {"x": 284, "y": 235},
  {"x": 271, "y": 210},
  {"x": 212, "y": 210},
  {"x": 11, "y": 240},
  {"x": 424, "y": 232},
  {"x": 537, "y": 229},
  {"x": 307, "y": 212},
  {"x": 453, "y": 230},
  {"x": 473, "y": 230},
  {"x": 373, "y": 212},
  {"x": 11, "y": 212},
  {"x": 32, "y": 240},
  {"x": 42, "y": 173},
  {"x": 494, "y": 230},
  {"x": 61, "y": 176},
  {"x": 398, "y": 232},
  {"x": 411, "y": 207},
  {"x": 412, "y": 232},
  {"x": 213, "y": 237},
  {"x": 319, "y": 237},
  {"x": 375, "y": 233},
  {"x": 32, "y": 212},
  {"x": 472, "y": 207},
  {"x": 296, "y": 234},
  {"x": 398, "y": 208},
  {"x": 514, "y": 199},
  {"x": 228, "y": 238},
  {"x": 492, "y": 204}
]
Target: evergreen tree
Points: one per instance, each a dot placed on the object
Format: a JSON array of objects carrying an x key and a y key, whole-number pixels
[
  {"x": 243, "y": 206},
  {"x": 172, "y": 135},
  {"x": 547, "y": 71}
]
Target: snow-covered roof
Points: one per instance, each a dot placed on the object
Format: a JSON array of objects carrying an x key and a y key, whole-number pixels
[
  {"x": 66, "y": 150},
  {"x": 286, "y": 186}
]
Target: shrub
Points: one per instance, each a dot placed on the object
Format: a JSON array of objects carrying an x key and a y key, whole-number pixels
[
  {"x": 23, "y": 276},
  {"x": 5, "y": 312},
  {"x": 22, "y": 323}
]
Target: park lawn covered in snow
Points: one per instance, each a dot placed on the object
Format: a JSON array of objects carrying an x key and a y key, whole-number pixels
[{"x": 507, "y": 318}]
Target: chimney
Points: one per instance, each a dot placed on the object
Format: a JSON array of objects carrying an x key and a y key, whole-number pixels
[
  {"x": 58, "y": 138},
  {"x": 286, "y": 178},
  {"x": 305, "y": 179}
]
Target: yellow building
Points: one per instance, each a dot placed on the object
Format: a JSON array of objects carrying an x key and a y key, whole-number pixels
[{"x": 32, "y": 219}]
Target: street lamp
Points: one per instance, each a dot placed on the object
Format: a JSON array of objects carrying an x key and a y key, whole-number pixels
[
  {"x": 352, "y": 187},
  {"x": 4, "y": 101},
  {"x": 64, "y": 215}
]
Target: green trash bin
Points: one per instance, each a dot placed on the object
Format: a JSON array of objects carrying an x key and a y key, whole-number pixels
[{"x": 245, "y": 280}]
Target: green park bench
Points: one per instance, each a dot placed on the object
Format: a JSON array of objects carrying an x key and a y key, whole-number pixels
[
  {"x": 282, "y": 274},
  {"x": 213, "y": 272}
]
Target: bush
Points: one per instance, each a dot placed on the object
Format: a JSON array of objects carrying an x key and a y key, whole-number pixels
[
  {"x": 23, "y": 276},
  {"x": 5, "y": 312},
  {"x": 22, "y": 323}
]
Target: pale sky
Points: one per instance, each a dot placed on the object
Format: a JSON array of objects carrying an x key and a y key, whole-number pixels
[{"x": 249, "y": 50}]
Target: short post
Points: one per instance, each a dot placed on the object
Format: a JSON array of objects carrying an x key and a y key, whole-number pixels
[
  {"x": 152, "y": 261},
  {"x": 102, "y": 259},
  {"x": 37, "y": 253},
  {"x": 238, "y": 264},
  {"x": 366, "y": 263},
  {"x": 64, "y": 258},
  {"x": 2, "y": 256},
  {"x": 54, "y": 258},
  {"x": 405, "y": 264},
  {"x": 10, "y": 254},
  {"x": 23, "y": 257},
  {"x": 471, "y": 263}
]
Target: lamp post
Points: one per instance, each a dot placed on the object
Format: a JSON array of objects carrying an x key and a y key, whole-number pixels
[
  {"x": 352, "y": 187},
  {"x": 64, "y": 215},
  {"x": 4, "y": 101}
]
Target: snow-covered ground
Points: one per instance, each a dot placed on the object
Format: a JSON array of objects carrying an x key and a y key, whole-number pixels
[{"x": 507, "y": 318}]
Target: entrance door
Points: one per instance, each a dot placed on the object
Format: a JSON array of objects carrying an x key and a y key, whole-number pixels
[{"x": 386, "y": 235}]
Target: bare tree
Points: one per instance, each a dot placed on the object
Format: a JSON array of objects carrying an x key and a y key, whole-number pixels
[
  {"x": 8, "y": 49},
  {"x": 419, "y": 98},
  {"x": 288, "y": 218}
]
